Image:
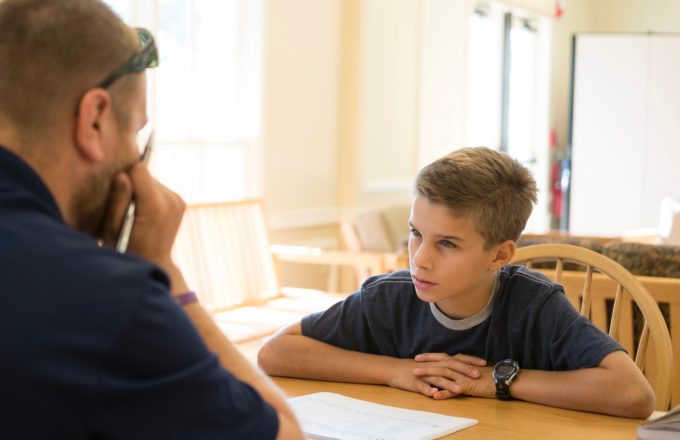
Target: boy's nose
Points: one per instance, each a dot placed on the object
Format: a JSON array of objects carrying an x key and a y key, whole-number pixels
[{"x": 421, "y": 257}]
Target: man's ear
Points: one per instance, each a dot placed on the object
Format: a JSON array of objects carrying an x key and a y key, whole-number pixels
[
  {"x": 503, "y": 254},
  {"x": 94, "y": 113}
]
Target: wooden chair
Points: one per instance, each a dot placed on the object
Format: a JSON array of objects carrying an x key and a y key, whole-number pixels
[
  {"x": 224, "y": 252},
  {"x": 603, "y": 281}
]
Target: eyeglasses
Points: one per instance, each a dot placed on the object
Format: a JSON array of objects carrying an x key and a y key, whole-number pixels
[{"x": 144, "y": 59}]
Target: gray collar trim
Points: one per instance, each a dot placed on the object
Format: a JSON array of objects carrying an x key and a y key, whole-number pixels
[{"x": 470, "y": 321}]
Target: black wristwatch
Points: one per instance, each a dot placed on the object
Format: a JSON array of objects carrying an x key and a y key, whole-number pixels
[{"x": 504, "y": 372}]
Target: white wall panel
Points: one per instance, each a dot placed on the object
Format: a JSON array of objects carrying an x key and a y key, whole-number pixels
[
  {"x": 626, "y": 136},
  {"x": 662, "y": 160}
]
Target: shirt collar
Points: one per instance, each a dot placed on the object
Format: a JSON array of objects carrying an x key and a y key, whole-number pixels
[
  {"x": 470, "y": 321},
  {"x": 20, "y": 183}
]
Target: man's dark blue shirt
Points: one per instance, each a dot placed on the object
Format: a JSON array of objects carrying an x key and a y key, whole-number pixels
[{"x": 92, "y": 344}]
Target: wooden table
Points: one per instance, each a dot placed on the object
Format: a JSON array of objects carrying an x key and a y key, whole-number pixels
[{"x": 497, "y": 419}]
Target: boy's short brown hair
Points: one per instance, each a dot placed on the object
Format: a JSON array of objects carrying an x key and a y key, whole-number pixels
[{"x": 491, "y": 187}]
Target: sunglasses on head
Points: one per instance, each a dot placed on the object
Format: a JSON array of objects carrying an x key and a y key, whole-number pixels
[{"x": 145, "y": 58}]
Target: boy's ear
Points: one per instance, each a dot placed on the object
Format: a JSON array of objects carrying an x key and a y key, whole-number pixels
[
  {"x": 504, "y": 253},
  {"x": 94, "y": 113}
]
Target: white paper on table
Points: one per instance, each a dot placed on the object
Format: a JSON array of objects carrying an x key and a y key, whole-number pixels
[{"x": 333, "y": 416}]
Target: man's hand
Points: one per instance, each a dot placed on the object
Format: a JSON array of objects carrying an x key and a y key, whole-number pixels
[
  {"x": 455, "y": 375},
  {"x": 158, "y": 215},
  {"x": 119, "y": 199}
]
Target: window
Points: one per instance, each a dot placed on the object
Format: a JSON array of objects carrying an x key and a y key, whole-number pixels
[
  {"x": 484, "y": 89},
  {"x": 507, "y": 91},
  {"x": 204, "y": 99},
  {"x": 522, "y": 71}
]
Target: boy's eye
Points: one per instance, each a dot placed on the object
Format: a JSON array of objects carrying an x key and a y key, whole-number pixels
[
  {"x": 447, "y": 244},
  {"x": 415, "y": 233}
]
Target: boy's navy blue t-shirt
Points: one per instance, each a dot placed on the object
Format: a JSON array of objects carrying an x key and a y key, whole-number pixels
[{"x": 528, "y": 318}]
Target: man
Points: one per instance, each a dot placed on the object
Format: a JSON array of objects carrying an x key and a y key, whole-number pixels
[{"x": 95, "y": 343}]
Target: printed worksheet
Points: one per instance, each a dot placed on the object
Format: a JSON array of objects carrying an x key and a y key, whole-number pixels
[{"x": 334, "y": 416}]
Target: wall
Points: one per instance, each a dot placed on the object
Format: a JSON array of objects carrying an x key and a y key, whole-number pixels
[
  {"x": 301, "y": 95},
  {"x": 635, "y": 16},
  {"x": 388, "y": 98},
  {"x": 410, "y": 94},
  {"x": 300, "y": 106},
  {"x": 379, "y": 94},
  {"x": 443, "y": 78},
  {"x": 357, "y": 109}
]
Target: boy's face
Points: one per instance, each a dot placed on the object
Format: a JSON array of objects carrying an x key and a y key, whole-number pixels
[{"x": 449, "y": 264}]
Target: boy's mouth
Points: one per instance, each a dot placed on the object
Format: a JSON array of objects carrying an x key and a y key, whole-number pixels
[{"x": 421, "y": 283}]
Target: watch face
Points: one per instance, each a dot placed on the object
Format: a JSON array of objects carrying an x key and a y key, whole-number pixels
[{"x": 505, "y": 370}]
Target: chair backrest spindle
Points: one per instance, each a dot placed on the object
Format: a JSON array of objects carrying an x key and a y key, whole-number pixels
[
  {"x": 586, "y": 301},
  {"x": 600, "y": 271},
  {"x": 559, "y": 266},
  {"x": 616, "y": 312},
  {"x": 641, "y": 352}
]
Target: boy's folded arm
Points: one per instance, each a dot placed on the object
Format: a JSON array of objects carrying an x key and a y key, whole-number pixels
[
  {"x": 616, "y": 386},
  {"x": 289, "y": 353}
]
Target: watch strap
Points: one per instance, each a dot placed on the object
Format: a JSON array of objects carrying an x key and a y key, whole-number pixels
[
  {"x": 186, "y": 298},
  {"x": 503, "y": 390}
]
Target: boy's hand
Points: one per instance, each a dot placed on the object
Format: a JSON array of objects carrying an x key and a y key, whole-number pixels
[
  {"x": 402, "y": 377},
  {"x": 455, "y": 375}
]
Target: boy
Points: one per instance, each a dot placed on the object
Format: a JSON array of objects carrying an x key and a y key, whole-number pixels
[{"x": 462, "y": 321}]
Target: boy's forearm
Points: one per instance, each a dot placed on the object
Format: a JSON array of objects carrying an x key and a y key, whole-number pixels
[
  {"x": 294, "y": 355},
  {"x": 589, "y": 389}
]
